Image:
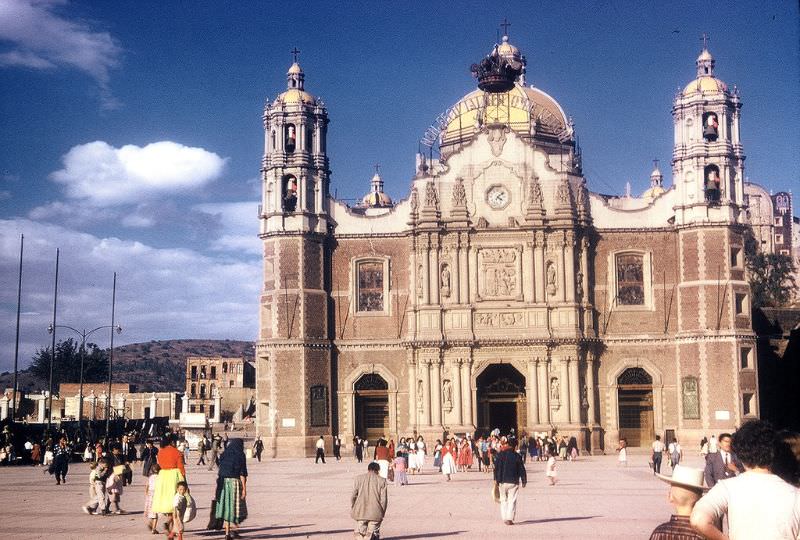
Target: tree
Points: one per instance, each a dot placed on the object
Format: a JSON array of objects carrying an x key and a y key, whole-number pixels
[
  {"x": 67, "y": 367},
  {"x": 771, "y": 275}
]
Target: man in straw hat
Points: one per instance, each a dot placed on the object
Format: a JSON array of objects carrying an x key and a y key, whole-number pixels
[{"x": 686, "y": 488}]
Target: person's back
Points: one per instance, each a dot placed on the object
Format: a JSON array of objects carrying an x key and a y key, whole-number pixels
[
  {"x": 370, "y": 497},
  {"x": 508, "y": 467}
]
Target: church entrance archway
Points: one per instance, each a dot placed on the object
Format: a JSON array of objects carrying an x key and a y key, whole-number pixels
[
  {"x": 371, "y": 406},
  {"x": 635, "y": 398},
  {"x": 501, "y": 399}
]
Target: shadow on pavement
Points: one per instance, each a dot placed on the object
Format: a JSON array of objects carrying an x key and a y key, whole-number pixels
[
  {"x": 549, "y": 520},
  {"x": 250, "y": 530},
  {"x": 425, "y": 535}
]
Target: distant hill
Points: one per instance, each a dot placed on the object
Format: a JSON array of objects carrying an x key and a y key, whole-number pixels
[{"x": 155, "y": 366}]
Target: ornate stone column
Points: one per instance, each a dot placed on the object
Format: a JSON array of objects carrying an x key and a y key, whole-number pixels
[
  {"x": 574, "y": 392},
  {"x": 591, "y": 414},
  {"x": 561, "y": 293},
  {"x": 426, "y": 391},
  {"x": 585, "y": 270},
  {"x": 434, "y": 274},
  {"x": 532, "y": 391},
  {"x": 457, "y": 408},
  {"x": 538, "y": 268},
  {"x": 411, "y": 366},
  {"x": 544, "y": 393},
  {"x": 569, "y": 265},
  {"x": 436, "y": 392},
  {"x": 565, "y": 387},
  {"x": 527, "y": 272},
  {"x": 464, "y": 273},
  {"x": 466, "y": 392}
]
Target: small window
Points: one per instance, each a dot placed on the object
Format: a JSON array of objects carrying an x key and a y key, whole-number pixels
[
  {"x": 748, "y": 404},
  {"x": 273, "y": 139},
  {"x": 224, "y": 367},
  {"x": 202, "y": 391},
  {"x": 630, "y": 279},
  {"x": 309, "y": 139},
  {"x": 370, "y": 286},
  {"x": 194, "y": 390},
  {"x": 202, "y": 372},
  {"x": 785, "y": 252},
  {"x": 778, "y": 221},
  {"x": 746, "y": 357},
  {"x": 736, "y": 257},
  {"x": 741, "y": 303},
  {"x": 712, "y": 183},
  {"x": 211, "y": 410},
  {"x": 194, "y": 373},
  {"x": 192, "y": 408},
  {"x": 779, "y": 239},
  {"x": 289, "y": 193},
  {"x": 230, "y": 383},
  {"x": 202, "y": 408},
  {"x": 213, "y": 372}
]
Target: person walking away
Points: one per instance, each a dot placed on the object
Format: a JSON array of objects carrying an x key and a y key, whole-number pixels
[
  {"x": 337, "y": 448},
  {"x": 61, "y": 457},
  {"x": 216, "y": 446},
  {"x": 722, "y": 464},
  {"x": 509, "y": 473},
  {"x": 231, "y": 496},
  {"x": 686, "y": 488},
  {"x": 258, "y": 448},
  {"x": 399, "y": 465},
  {"x": 622, "y": 450},
  {"x": 550, "y": 468},
  {"x": 149, "y": 454},
  {"x": 97, "y": 476},
  {"x": 368, "y": 503},
  {"x": 658, "y": 454},
  {"x": 382, "y": 457},
  {"x": 203, "y": 450},
  {"x": 149, "y": 489},
  {"x": 320, "y": 450},
  {"x": 114, "y": 489},
  {"x": 759, "y": 504},
  {"x": 675, "y": 453}
]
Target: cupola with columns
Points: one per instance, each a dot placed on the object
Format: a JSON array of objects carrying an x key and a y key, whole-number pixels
[
  {"x": 295, "y": 171},
  {"x": 376, "y": 198},
  {"x": 708, "y": 160}
]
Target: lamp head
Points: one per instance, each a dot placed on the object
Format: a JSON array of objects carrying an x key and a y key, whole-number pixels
[
  {"x": 118, "y": 328},
  {"x": 50, "y": 329}
]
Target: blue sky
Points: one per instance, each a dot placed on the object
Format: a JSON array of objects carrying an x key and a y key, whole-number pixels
[{"x": 132, "y": 131}]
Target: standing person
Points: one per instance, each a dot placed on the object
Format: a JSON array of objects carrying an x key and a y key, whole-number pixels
[
  {"x": 114, "y": 488},
  {"x": 550, "y": 468},
  {"x": 358, "y": 449},
  {"x": 179, "y": 505},
  {"x": 258, "y": 448},
  {"x": 658, "y": 454},
  {"x": 368, "y": 503},
  {"x": 216, "y": 446},
  {"x": 686, "y": 488},
  {"x": 622, "y": 450},
  {"x": 422, "y": 450},
  {"x": 758, "y": 503},
  {"x": 149, "y": 453},
  {"x": 448, "y": 459},
  {"x": 723, "y": 464},
  {"x": 675, "y": 453},
  {"x": 320, "y": 450},
  {"x": 382, "y": 457},
  {"x": 437, "y": 456},
  {"x": 231, "y": 495},
  {"x": 170, "y": 459},
  {"x": 149, "y": 489},
  {"x": 61, "y": 457},
  {"x": 399, "y": 466},
  {"x": 337, "y": 448},
  {"x": 509, "y": 472},
  {"x": 203, "y": 450},
  {"x": 36, "y": 454}
]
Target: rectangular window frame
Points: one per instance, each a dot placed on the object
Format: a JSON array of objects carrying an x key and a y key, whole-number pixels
[
  {"x": 746, "y": 358},
  {"x": 354, "y": 286},
  {"x": 749, "y": 404},
  {"x": 318, "y": 395},
  {"x": 778, "y": 238},
  {"x": 647, "y": 279},
  {"x": 741, "y": 304}
]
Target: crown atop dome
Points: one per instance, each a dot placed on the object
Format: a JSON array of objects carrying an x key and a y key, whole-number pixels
[{"x": 500, "y": 69}]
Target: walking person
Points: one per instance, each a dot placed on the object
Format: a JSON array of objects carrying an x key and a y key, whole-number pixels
[
  {"x": 61, "y": 456},
  {"x": 622, "y": 450},
  {"x": 550, "y": 468},
  {"x": 216, "y": 447},
  {"x": 337, "y": 448},
  {"x": 448, "y": 459},
  {"x": 368, "y": 503},
  {"x": 100, "y": 471},
  {"x": 658, "y": 454},
  {"x": 509, "y": 473},
  {"x": 675, "y": 453},
  {"x": 320, "y": 450},
  {"x": 170, "y": 459},
  {"x": 258, "y": 448},
  {"x": 231, "y": 494},
  {"x": 201, "y": 447},
  {"x": 149, "y": 453}
]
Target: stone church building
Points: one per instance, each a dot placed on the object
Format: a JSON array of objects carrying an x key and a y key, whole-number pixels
[{"x": 503, "y": 292}]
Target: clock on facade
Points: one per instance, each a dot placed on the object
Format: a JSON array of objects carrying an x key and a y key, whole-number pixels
[{"x": 498, "y": 197}]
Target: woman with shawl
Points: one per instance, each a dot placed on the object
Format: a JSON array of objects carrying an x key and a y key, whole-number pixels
[
  {"x": 448, "y": 459},
  {"x": 232, "y": 486},
  {"x": 170, "y": 459}
]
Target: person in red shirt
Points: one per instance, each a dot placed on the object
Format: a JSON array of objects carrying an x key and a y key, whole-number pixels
[{"x": 170, "y": 459}]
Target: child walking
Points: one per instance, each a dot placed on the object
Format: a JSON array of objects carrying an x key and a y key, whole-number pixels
[
  {"x": 551, "y": 466},
  {"x": 98, "y": 474},
  {"x": 149, "y": 490},
  {"x": 399, "y": 464},
  {"x": 114, "y": 488},
  {"x": 179, "y": 505},
  {"x": 622, "y": 459}
]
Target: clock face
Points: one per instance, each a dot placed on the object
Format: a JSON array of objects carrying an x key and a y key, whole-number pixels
[{"x": 498, "y": 197}]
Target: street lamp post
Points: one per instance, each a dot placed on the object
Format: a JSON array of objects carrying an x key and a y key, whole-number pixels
[{"x": 83, "y": 334}]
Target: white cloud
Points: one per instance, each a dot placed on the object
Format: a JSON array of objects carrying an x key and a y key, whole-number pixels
[
  {"x": 239, "y": 226},
  {"x": 104, "y": 176},
  {"x": 161, "y": 293},
  {"x": 41, "y": 38},
  {"x": 73, "y": 214}
]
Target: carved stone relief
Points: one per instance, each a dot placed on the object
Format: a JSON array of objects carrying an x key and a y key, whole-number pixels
[
  {"x": 500, "y": 320},
  {"x": 459, "y": 193},
  {"x": 552, "y": 283},
  {"x": 497, "y": 138},
  {"x": 499, "y": 272},
  {"x": 444, "y": 284},
  {"x": 447, "y": 394}
]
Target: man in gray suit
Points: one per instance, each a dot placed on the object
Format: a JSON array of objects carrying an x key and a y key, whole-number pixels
[
  {"x": 368, "y": 503},
  {"x": 723, "y": 464}
]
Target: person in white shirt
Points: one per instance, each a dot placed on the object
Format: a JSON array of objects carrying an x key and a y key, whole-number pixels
[
  {"x": 712, "y": 445},
  {"x": 320, "y": 450},
  {"x": 675, "y": 453},
  {"x": 758, "y": 503},
  {"x": 658, "y": 454}
]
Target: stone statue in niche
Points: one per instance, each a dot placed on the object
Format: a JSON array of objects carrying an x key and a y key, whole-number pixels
[
  {"x": 459, "y": 194},
  {"x": 447, "y": 394},
  {"x": 563, "y": 193},
  {"x": 431, "y": 196},
  {"x": 445, "y": 281},
  {"x": 552, "y": 286},
  {"x": 555, "y": 391},
  {"x": 414, "y": 200},
  {"x": 420, "y": 278},
  {"x": 579, "y": 286},
  {"x": 535, "y": 195},
  {"x": 420, "y": 395}
]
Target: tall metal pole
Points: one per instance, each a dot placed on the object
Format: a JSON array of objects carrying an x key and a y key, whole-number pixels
[
  {"x": 80, "y": 387},
  {"x": 16, "y": 343},
  {"x": 52, "y": 350},
  {"x": 111, "y": 356}
]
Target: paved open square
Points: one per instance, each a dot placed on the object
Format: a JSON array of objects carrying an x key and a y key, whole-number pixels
[{"x": 298, "y": 499}]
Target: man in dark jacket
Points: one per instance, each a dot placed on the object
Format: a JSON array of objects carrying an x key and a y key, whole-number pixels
[
  {"x": 509, "y": 472},
  {"x": 723, "y": 464}
]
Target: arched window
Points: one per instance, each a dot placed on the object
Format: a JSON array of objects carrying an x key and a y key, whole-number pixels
[
  {"x": 371, "y": 381},
  {"x": 193, "y": 392},
  {"x": 194, "y": 372},
  {"x": 290, "y": 138},
  {"x": 289, "y": 193},
  {"x": 202, "y": 391},
  {"x": 309, "y": 139},
  {"x": 634, "y": 376},
  {"x": 710, "y": 126},
  {"x": 213, "y": 372},
  {"x": 274, "y": 140},
  {"x": 211, "y": 389},
  {"x": 202, "y": 372},
  {"x": 630, "y": 279},
  {"x": 224, "y": 367},
  {"x": 712, "y": 183}
]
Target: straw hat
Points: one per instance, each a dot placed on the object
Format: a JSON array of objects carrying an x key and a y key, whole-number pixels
[{"x": 685, "y": 477}]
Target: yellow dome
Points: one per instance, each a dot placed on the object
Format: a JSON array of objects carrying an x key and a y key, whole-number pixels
[
  {"x": 376, "y": 200},
  {"x": 518, "y": 108},
  {"x": 653, "y": 192},
  {"x": 705, "y": 85},
  {"x": 295, "y": 96}
]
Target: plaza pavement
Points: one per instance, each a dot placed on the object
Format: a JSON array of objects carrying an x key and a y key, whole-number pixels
[{"x": 594, "y": 498}]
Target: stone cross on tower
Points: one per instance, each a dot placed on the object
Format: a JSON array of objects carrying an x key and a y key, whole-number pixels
[
  {"x": 295, "y": 53},
  {"x": 705, "y": 39},
  {"x": 505, "y": 24}
]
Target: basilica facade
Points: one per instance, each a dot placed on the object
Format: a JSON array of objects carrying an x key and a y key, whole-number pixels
[{"x": 503, "y": 292}]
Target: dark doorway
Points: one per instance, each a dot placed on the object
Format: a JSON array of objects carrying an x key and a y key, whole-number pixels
[
  {"x": 501, "y": 399},
  {"x": 635, "y": 396},
  {"x": 371, "y": 407}
]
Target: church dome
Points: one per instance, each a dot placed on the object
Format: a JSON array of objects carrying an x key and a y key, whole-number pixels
[
  {"x": 295, "y": 93},
  {"x": 705, "y": 83},
  {"x": 376, "y": 198}
]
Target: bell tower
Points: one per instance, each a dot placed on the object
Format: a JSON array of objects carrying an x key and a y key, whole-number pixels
[
  {"x": 294, "y": 383},
  {"x": 707, "y": 160}
]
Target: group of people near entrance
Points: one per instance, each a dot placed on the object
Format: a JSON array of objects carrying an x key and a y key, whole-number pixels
[{"x": 751, "y": 477}]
